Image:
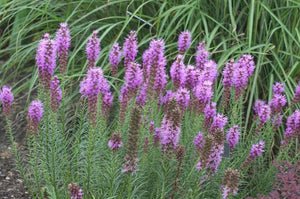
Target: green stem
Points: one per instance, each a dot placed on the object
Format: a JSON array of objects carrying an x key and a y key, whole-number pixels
[{"x": 129, "y": 186}]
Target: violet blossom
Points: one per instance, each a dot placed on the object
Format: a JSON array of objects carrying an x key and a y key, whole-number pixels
[
  {"x": 55, "y": 94},
  {"x": 35, "y": 113},
  {"x": 115, "y": 58},
  {"x": 63, "y": 40},
  {"x": 6, "y": 97},
  {"x": 130, "y": 48},
  {"x": 292, "y": 126},
  {"x": 201, "y": 55},
  {"x": 184, "y": 41},
  {"x": 93, "y": 50},
  {"x": 115, "y": 141},
  {"x": 177, "y": 73},
  {"x": 232, "y": 137}
]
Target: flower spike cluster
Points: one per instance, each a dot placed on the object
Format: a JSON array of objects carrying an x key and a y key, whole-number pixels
[
  {"x": 63, "y": 40},
  {"x": 6, "y": 97}
]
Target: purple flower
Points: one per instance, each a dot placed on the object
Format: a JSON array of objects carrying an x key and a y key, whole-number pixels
[
  {"x": 141, "y": 99},
  {"x": 277, "y": 103},
  {"x": 257, "y": 150},
  {"x": 264, "y": 114},
  {"x": 203, "y": 92},
  {"x": 219, "y": 122},
  {"x": 209, "y": 72},
  {"x": 233, "y": 135},
  {"x": 296, "y": 97},
  {"x": 91, "y": 86},
  {"x": 277, "y": 120},
  {"x": 93, "y": 49},
  {"x": 115, "y": 58},
  {"x": 56, "y": 93},
  {"x": 46, "y": 59},
  {"x": 240, "y": 79},
  {"x": 177, "y": 73},
  {"x": 6, "y": 97},
  {"x": 35, "y": 113},
  {"x": 115, "y": 141},
  {"x": 133, "y": 77},
  {"x": 107, "y": 100},
  {"x": 201, "y": 55},
  {"x": 191, "y": 78},
  {"x": 183, "y": 98},
  {"x": 169, "y": 95},
  {"x": 198, "y": 141},
  {"x": 63, "y": 40},
  {"x": 292, "y": 126},
  {"x": 130, "y": 47},
  {"x": 228, "y": 74},
  {"x": 209, "y": 111},
  {"x": 257, "y": 105},
  {"x": 74, "y": 191},
  {"x": 278, "y": 88},
  {"x": 184, "y": 41}
]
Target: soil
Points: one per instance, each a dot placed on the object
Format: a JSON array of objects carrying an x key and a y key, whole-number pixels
[{"x": 11, "y": 184}]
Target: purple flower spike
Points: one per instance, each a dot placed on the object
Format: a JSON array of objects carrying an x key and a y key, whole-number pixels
[
  {"x": 201, "y": 55},
  {"x": 227, "y": 81},
  {"x": 75, "y": 191},
  {"x": 46, "y": 59},
  {"x": 278, "y": 88},
  {"x": 296, "y": 97},
  {"x": 198, "y": 142},
  {"x": 115, "y": 141},
  {"x": 56, "y": 93},
  {"x": 209, "y": 111},
  {"x": 6, "y": 97},
  {"x": 292, "y": 126},
  {"x": 184, "y": 41},
  {"x": 183, "y": 98},
  {"x": 191, "y": 78},
  {"x": 209, "y": 72},
  {"x": 63, "y": 40},
  {"x": 203, "y": 92},
  {"x": 93, "y": 49},
  {"x": 115, "y": 58},
  {"x": 130, "y": 48},
  {"x": 35, "y": 113},
  {"x": 257, "y": 149},
  {"x": 218, "y": 123},
  {"x": 277, "y": 103},
  {"x": 233, "y": 135},
  {"x": 133, "y": 77},
  {"x": 177, "y": 73},
  {"x": 264, "y": 114}
]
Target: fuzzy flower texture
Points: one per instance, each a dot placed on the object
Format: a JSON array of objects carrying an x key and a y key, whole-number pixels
[
  {"x": 93, "y": 49},
  {"x": 63, "y": 40},
  {"x": 35, "y": 114},
  {"x": 6, "y": 97}
]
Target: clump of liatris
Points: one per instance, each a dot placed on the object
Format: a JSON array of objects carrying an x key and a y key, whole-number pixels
[
  {"x": 177, "y": 73},
  {"x": 184, "y": 41},
  {"x": 130, "y": 48},
  {"x": 243, "y": 69},
  {"x": 130, "y": 164},
  {"x": 198, "y": 142},
  {"x": 296, "y": 97},
  {"x": 35, "y": 114},
  {"x": 91, "y": 86},
  {"x": 46, "y": 59},
  {"x": 230, "y": 182},
  {"x": 170, "y": 127},
  {"x": 115, "y": 141},
  {"x": 227, "y": 81},
  {"x": 92, "y": 49},
  {"x": 75, "y": 191},
  {"x": 201, "y": 55},
  {"x": 115, "y": 58},
  {"x": 292, "y": 126},
  {"x": 6, "y": 97},
  {"x": 256, "y": 151},
  {"x": 63, "y": 40},
  {"x": 232, "y": 137},
  {"x": 56, "y": 93}
]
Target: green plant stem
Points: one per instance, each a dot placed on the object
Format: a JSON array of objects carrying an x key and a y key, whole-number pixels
[{"x": 19, "y": 165}]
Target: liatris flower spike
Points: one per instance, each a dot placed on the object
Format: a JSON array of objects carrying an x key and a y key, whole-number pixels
[
  {"x": 184, "y": 41},
  {"x": 6, "y": 97},
  {"x": 233, "y": 136},
  {"x": 230, "y": 182},
  {"x": 115, "y": 58},
  {"x": 278, "y": 88},
  {"x": 56, "y": 93},
  {"x": 296, "y": 97},
  {"x": 292, "y": 126},
  {"x": 198, "y": 142},
  {"x": 130, "y": 48},
  {"x": 115, "y": 141},
  {"x": 35, "y": 113},
  {"x": 93, "y": 49},
  {"x": 46, "y": 59},
  {"x": 177, "y": 73},
  {"x": 256, "y": 151},
  {"x": 201, "y": 55},
  {"x": 63, "y": 40},
  {"x": 75, "y": 191}
]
